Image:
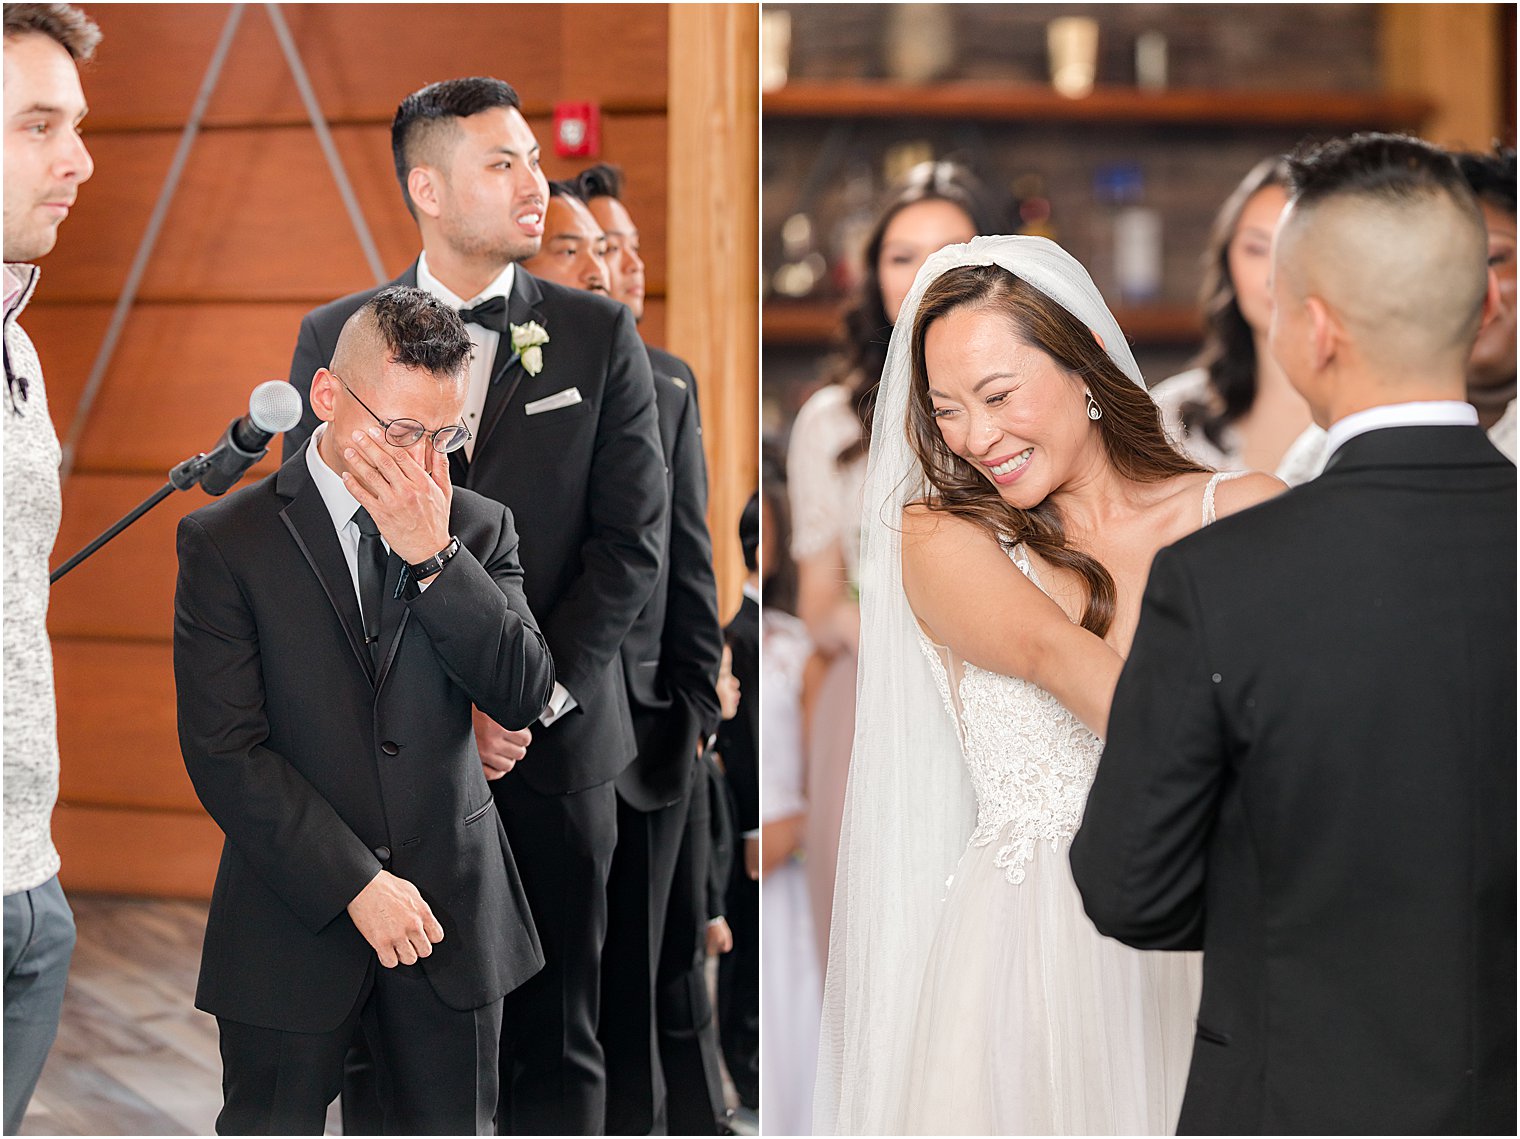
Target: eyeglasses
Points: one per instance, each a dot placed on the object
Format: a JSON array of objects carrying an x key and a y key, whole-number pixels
[{"x": 406, "y": 432}]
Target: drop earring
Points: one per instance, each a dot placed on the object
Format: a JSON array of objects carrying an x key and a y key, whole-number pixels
[{"x": 1094, "y": 412}]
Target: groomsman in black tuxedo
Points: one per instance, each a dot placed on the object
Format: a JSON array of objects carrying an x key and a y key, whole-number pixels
[
  {"x": 1310, "y": 767},
  {"x": 670, "y": 658},
  {"x": 562, "y": 407},
  {"x": 739, "y": 744},
  {"x": 334, "y": 627}
]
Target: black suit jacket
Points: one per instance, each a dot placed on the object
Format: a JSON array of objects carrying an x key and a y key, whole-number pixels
[
  {"x": 320, "y": 773},
  {"x": 586, "y": 486},
  {"x": 1310, "y": 774},
  {"x": 739, "y": 738},
  {"x": 672, "y": 653}
]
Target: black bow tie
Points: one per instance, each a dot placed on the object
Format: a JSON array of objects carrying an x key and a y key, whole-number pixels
[{"x": 491, "y": 313}]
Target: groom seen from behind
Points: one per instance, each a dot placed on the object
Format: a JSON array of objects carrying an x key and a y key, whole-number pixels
[{"x": 1310, "y": 766}]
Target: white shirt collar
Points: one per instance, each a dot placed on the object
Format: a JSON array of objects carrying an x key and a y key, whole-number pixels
[
  {"x": 500, "y": 287},
  {"x": 1426, "y": 413},
  {"x": 339, "y": 501}
]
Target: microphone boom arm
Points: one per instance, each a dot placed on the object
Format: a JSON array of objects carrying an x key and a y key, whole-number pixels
[{"x": 184, "y": 476}]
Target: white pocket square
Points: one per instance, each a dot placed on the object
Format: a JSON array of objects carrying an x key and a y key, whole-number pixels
[{"x": 567, "y": 398}]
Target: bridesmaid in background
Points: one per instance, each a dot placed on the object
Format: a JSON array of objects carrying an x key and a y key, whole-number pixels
[
  {"x": 792, "y": 974},
  {"x": 934, "y": 205},
  {"x": 1236, "y": 410}
]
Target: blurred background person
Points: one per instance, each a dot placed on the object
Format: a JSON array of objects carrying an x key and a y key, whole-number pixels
[
  {"x": 792, "y": 985},
  {"x": 1236, "y": 410},
  {"x": 934, "y": 205},
  {"x": 1491, "y": 367}
]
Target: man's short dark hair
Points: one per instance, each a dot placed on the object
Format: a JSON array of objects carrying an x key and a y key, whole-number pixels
[
  {"x": 600, "y": 181},
  {"x": 420, "y": 331},
  {"x": 66, "y": 25},
  {"x": 425, "y": 119},
  {"x": 561, "y": 188},
  {"x": 1393, "y": 168},
  {"x": 749, "y": 532},
  {"x": 1491, "y": 176}
]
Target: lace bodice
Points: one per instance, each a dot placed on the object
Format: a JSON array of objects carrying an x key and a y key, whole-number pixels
[{"x": 1030, "y": 760}]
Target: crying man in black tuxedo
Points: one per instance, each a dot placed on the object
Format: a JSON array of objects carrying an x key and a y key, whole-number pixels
[{"x": 561, "y": 403}]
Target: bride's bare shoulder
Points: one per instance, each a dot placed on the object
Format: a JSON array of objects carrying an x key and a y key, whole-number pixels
[
  {"x": 1242, "y": 491},
  {"x": 928, "y": 530},
  {"x": 1231, "y": 494}
]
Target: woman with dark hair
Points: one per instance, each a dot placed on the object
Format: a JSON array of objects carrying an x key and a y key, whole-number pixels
[
  {"x": 1236, "y": 409},
  {"x": 1020, "y": 483},
  {"x": 934, "y": 205}
]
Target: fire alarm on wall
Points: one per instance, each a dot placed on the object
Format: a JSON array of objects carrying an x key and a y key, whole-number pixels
[{"x": 577, "y": 130}]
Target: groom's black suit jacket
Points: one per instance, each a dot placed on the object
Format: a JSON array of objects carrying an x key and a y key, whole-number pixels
[
  {"x": 1310, "y": 774},
  {"x": 321, "y": 769},
  {"x": 586, "y": 486}
]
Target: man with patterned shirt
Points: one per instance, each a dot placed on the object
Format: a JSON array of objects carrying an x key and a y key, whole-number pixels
[{"x": 45, "y": 161}]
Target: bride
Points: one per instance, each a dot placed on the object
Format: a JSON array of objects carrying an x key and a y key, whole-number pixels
[{"x": 1019, "y": 484}]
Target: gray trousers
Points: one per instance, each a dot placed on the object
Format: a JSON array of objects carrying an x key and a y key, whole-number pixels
[{"x": 39, "y": 941}]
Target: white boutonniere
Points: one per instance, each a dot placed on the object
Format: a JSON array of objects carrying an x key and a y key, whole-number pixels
[{"x": 528, "y": 340}]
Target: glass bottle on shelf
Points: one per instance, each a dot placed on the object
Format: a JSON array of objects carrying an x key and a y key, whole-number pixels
[
  {"x": 1032, "y": 207},
  {"x": 1126, "y": 257},
  {"x": 802, "y": 265},
  {"x": 848, "y": 239}
]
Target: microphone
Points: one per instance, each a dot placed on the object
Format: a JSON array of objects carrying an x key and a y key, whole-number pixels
[{"x": 274, "y": 407}]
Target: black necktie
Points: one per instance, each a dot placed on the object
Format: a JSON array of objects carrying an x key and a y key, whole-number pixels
[
  {"x": 372, "y": 557},
  {"x": 490, "y": 313}
]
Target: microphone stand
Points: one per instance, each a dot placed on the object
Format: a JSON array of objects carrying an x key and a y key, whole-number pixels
[{"x": 186, "y": 475}]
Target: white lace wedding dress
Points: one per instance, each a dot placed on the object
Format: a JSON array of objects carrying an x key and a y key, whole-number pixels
[{"x": 1029, "y": 1021}]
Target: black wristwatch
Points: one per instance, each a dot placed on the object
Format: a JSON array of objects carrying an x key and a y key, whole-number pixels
[{"x": 423, "y": 570}]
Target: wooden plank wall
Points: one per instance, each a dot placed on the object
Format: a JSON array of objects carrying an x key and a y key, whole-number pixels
[{"x": 256, "y": 236}]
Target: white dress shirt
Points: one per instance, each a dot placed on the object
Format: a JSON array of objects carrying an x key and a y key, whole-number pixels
[
  {"x": 486, "y": 340},
  {"x": 1424, "y": 413},
  {"x": 1306, "y": 458}
]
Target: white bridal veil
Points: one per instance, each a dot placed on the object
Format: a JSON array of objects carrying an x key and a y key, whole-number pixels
[{"x": 909, "y": 809}]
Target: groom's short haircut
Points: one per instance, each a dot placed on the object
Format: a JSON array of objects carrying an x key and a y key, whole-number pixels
[
  {"x": 1385, "y": 229},
  {"x": 425, "y": 128},
  {"x": 1491, "y": 176},
  {"x": 406, "y": 326}
]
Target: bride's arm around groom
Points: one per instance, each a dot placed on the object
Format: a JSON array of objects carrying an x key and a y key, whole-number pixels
[{"x": 1310, "y": 763}]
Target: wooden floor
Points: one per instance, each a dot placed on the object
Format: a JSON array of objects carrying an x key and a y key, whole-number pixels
[{"x": 133, "y": 1055}]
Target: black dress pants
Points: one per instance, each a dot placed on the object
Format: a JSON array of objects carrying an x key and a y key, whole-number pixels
[
  {"x": 553, "y": 1073},
  {"x": 434, "y": 1067},
  {"x": 688, "y": 1034},
  {"x": 638, "y": 894}
]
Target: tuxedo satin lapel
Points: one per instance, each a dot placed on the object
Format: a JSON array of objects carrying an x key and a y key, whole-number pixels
[
  {"x": 394, "y": 615},
  {"x": 508, "y": 374},
  {"x": 311, "y": 525}
]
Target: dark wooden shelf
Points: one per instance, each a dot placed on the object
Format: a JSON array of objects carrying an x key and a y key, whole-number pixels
[
  {"x": 813, "y": 324},
  {"x": 880, "y": 99}
]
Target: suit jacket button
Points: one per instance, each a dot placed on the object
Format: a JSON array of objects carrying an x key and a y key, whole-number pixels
[
  {"x": 383, "y": 853},
  {"x": 389, "y": 748}
]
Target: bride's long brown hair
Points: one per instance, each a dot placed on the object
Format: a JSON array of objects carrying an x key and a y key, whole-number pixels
[{"x": 1130, "y": 428}]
